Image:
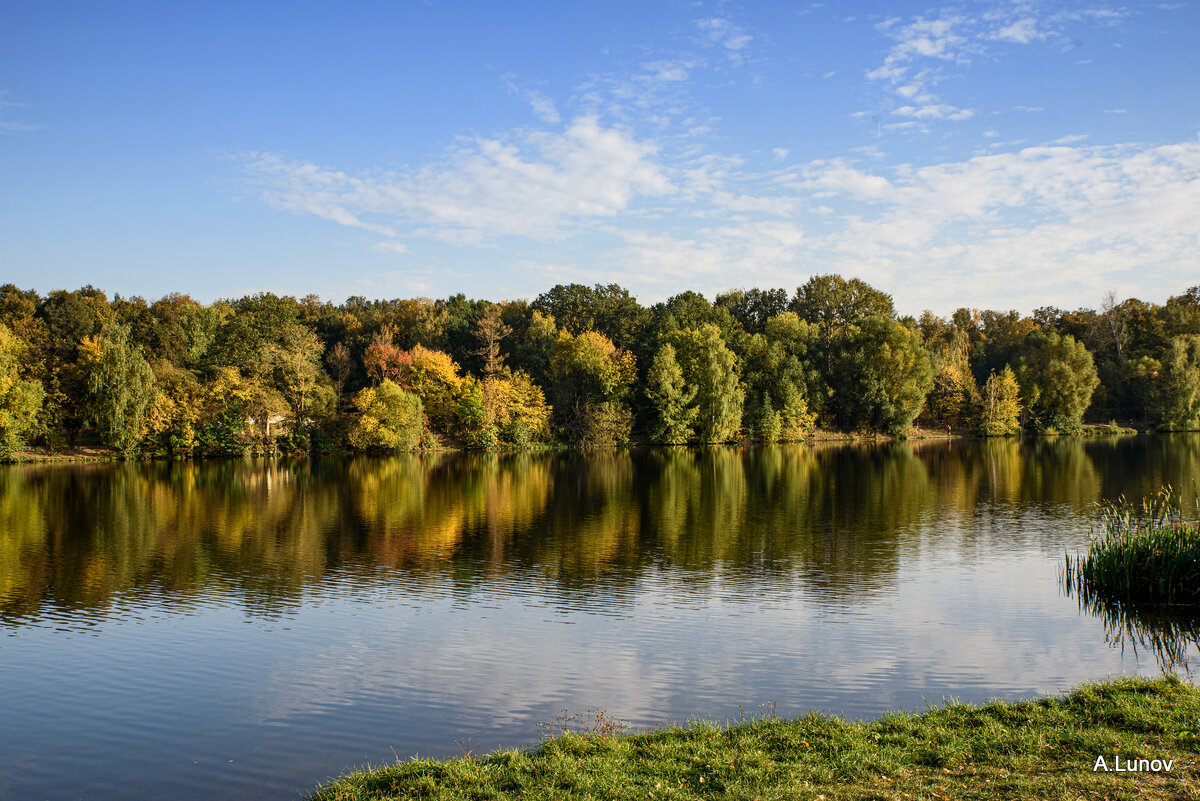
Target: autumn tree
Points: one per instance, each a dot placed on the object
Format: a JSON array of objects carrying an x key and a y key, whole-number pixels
[
  {"x": 383, "y": 359},
  {"x": 20, "y": 398},
  {"x": 591, "y": 379},
  {"x": 490, "y": 330},
  {"x": 293, "y": 364},
  {"x": 1000, "y": 405},
  {"x": 388, "y": 419},
  {"x": 340, "y": 364},
  {"x": 950, "y": 399},
  {"x": 517, "y": 408}
]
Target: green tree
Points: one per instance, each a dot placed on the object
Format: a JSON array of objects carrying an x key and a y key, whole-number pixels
[
  {"x": 20, "y": 399},
  {"x": 1182, "y": 313},
  {"x": 753, "y": 307},
  {"x": 881, "y": 376},
  {"x": 712, "y": 368},
  {"x": 181, "y": 331},
  {"x": 671, "y": 397},
  {"x": 607, "y": 309},
  {"x": 120, "y": 387},
  {"x": 389, "y": 419},
  {"x": 1179, "y": 385},
  {"x": 776, "y": 383},
  {"x": 1000, "y": 405},
  {"x": 1057, "y": 378},
  {"x": 832, "y": 303}
]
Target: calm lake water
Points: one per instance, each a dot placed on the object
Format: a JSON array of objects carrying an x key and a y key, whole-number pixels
[{"x": 247, "y": 629}]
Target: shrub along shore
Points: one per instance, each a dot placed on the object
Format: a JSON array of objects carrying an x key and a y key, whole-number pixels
[
  {"x": 577, "y": 365},
  {"x": 1047, "y": 748},
  {"x": 1146, "y": 555}
]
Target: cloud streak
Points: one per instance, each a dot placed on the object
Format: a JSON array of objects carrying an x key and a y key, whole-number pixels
[
  {"x": 540, "y": 185},
  {"x": 927, "y": 48}
]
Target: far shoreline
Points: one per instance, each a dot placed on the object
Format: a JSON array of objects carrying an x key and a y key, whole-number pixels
[{"x": 96, "y": 454}]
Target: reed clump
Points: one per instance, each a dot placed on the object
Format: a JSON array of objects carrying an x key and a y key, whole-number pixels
[{"x": 1144, "y": 553}]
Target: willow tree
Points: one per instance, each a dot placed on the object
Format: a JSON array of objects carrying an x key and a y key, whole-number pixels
[
  {"x": 120, "y": 386},
  {"x": 712, "y": 368}
]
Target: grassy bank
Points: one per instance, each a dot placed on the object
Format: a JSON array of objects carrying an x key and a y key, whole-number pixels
[
  {"x": 1145, "y": 554},
  {"x": 1036, "y": 749}
]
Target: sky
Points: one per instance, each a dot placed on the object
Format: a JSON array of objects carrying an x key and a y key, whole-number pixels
[{"x": 983, "y": 154}]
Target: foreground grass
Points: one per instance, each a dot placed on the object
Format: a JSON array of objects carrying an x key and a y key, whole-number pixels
[
  {"x": 1145, "y": 554},
  {"x": 1042, "y": 749}
]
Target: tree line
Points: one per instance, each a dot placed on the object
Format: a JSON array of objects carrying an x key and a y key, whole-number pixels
[{"x": 588, "y": 366}]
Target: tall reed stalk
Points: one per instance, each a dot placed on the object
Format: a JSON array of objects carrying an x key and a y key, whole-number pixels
[{"x": 1144, "y": 553}]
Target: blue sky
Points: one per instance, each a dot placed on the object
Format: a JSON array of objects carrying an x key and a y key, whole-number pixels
[{"x": 990, "y": 154}]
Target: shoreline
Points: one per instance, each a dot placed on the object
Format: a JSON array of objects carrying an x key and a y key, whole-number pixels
[
  {"x": 97, "y": 454},
  {"x": 1063, "y": 746}
]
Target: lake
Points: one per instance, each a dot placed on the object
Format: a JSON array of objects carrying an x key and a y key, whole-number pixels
[{"x": 246, "y": 629}]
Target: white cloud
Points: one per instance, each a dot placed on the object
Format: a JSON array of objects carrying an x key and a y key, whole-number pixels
[
  {"x": 15, "y": 126},
  {"x": 1041, "y": 219},
  {"x": 1023, "y": 31},
  {"x": 829, "y": 74},
  {"x": 11, "y": 126},
  {"x": 937, "y": 111},
  {"x": 391, "y": 246},
  {"x": 780, "y": 153},
  {"x": 543, "y": 107},
  {"x": 828, "y": 178},
  {"x": 668, "y": 70},
  {"x": 720, "y": 32},
  {"x": 1116, "y": 111},
  {"x": 928, "y": 48},
  {"x": 537, "y": 186}
]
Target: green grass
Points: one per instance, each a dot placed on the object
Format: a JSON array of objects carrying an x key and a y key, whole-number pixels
[
  {"x": 1036, "y": 749},
  {"x": 1106, "y": 430},
  {"x": 1145, "y": 554}
]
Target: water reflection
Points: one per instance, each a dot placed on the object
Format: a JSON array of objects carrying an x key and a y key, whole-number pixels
[
  {"x": 835, "y": 519},
  {"x": 243, "y": 629},
  {"x": 1170, "y": 635}
]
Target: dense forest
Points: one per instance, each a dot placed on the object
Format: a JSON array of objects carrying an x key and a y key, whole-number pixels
[{"x": 580, "y": 365}]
